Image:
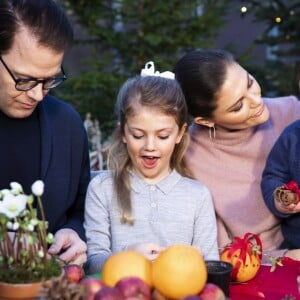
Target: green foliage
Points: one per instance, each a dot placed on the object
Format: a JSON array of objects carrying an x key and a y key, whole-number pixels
[
  {"x": 282, "y": 34},
  {"x": 125, "y": 34},
  {"x": 19, "y": 274},
  {"x": 282, "y": 16}
]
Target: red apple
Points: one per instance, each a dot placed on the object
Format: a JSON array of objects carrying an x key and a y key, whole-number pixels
[
  {"x": 92, "y": 286},
  {"x": 108, "y": 293},
  {"x": 191, "y": 297},
  {"x": 133, "y": 287},
  {"x": 156, "y": 295},
  {"x": 74, "y": 272},
  {"x": 212, "y": 292}
]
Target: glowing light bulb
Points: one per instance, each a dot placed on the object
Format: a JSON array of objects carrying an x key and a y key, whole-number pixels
[
  {"x": 243, "y": 9},
  {"x": 278, "y": 20}
]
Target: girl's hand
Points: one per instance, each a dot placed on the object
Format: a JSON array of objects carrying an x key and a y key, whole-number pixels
[{"x": 149, "y": 250}]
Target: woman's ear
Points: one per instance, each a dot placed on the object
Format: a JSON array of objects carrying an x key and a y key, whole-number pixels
[{"x": 204, "y": 122}]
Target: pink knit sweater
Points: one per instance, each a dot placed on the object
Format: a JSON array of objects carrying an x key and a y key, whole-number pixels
[{"x": 231, "y": 166}]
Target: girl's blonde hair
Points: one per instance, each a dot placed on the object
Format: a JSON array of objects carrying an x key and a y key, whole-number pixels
[{"x": 153, "y": 92}]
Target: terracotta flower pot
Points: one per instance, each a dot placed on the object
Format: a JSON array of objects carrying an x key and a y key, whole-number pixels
[
  {"x": 19, "y": 290},
  {"x": 24, "y": 291}
]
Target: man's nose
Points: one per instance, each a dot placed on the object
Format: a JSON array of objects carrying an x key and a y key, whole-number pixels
[{"x": 37, "y": 93}]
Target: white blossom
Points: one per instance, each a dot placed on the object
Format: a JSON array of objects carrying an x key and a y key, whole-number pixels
[
  {"x": 16, "y": 188},
  {"x": 34, "y": 221},
  {"x": 12, "y": 226},
  {"x": 4, "y": 192},
  {"x": 12, "y": 205},
  {"x": 26, "y": 232},
  {"x": 9, "y": 225},
  {"x": 41, "y": 253},
  {"x": 37, "y": 188},
  {"x": 50, "y": 238},
  {"x": 30, "y": 227},
  {"x": 16, "y": 226}
]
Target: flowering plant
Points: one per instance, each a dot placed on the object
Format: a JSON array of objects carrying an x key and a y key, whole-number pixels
[{"x": 23, "y": 236}]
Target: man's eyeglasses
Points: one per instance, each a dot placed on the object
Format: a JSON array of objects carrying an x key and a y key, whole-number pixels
[{"x": 27, "y": 84}]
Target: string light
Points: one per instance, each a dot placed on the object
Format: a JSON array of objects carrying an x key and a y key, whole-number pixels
[
  {"x": 243, "y": 9},
  {"x": 278, "y": 20}
]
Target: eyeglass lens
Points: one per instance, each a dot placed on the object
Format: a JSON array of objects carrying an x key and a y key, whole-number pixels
[{"x": 27, "y": 84}]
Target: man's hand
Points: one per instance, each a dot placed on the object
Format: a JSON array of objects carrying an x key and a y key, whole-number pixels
[{"x": 69, "y": 246}]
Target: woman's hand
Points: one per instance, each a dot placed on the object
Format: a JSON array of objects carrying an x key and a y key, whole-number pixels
[{"x": 149, "y": 250}]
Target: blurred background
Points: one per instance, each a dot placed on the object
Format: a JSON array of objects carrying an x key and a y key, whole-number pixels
[{"x": 114, "y": 40}]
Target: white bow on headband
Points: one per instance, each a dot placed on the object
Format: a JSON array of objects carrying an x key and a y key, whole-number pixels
[{"x": 149, "y": 70}]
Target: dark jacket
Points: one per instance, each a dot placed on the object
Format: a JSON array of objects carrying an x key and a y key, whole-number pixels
[
  {"x": 283, "y": 165},
  {"x": 65, "y": 167}
]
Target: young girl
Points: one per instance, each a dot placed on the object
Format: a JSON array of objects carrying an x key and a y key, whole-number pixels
[{"x": 146, "y": 201}]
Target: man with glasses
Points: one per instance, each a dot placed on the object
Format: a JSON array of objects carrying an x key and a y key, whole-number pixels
[{"x": 41, "y": 136}]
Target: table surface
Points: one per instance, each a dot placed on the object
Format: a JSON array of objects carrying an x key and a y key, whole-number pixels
[
  {"x": 276, "y": 285},
  {"x": 267, "y": 285}
]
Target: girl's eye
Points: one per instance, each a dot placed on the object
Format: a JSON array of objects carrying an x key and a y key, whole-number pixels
[
  {"x": 164, "y": 137},
  {"x": 137, "y": 137}
]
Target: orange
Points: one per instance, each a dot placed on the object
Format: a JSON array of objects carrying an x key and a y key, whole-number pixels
[
  {"x": 125, "y": 264},
  {"x": 179, "y": 271},
  {"x": 246, "y": 271}
]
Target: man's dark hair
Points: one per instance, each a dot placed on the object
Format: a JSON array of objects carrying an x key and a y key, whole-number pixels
[{"x": 43, "y": 18}]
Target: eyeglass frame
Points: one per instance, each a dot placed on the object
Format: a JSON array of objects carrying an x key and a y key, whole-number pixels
[{"x": 35, "y": 80}]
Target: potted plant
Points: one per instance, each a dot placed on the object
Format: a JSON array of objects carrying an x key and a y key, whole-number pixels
[{"x": 24, "y": 241}]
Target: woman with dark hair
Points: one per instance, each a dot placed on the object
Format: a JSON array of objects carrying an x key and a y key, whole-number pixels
[{"x": 232, "y": 133}]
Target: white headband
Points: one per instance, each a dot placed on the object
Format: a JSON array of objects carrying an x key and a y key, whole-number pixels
[{"x": 149, "y": 70}]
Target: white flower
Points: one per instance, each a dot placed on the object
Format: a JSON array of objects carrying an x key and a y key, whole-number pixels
[
  {"x": 9, "y": 225},
  {"x": 30, "y": 227},
  {"x": 15, "y": 226},
  {"x": 12, "y": 205},
  {"x": 38, "y": 188},
  {"x": 34, "y": 221},
  {"x": 41, "y": 253},
  {"x": 4, "y": 192},
  {"x": 50, "y": 238},
  {"x": 12, "y": 226},
  {"x": 16, "y": 188}
]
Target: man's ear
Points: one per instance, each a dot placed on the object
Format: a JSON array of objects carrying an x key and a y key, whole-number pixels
[{"x": 204, "y": 122}]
